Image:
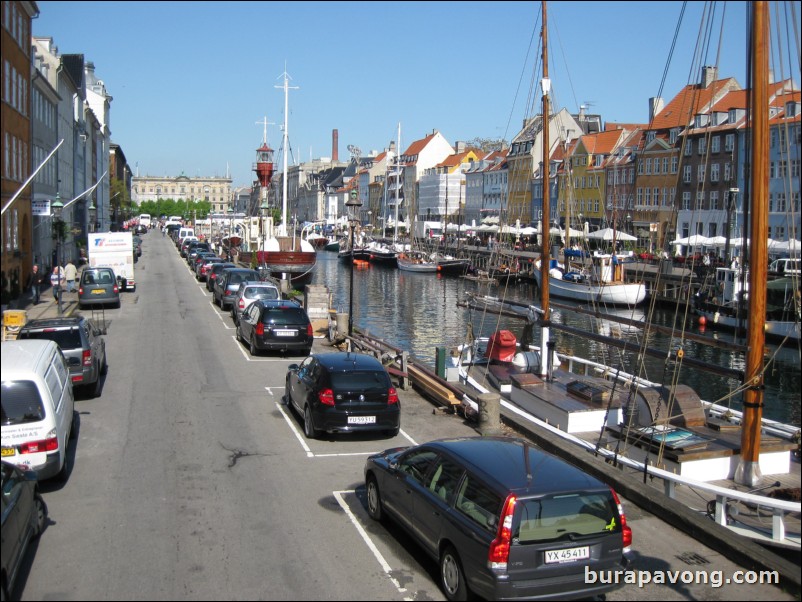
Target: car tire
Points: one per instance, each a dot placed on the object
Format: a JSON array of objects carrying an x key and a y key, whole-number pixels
[
  {"x": 94, "y": 389},
  {"x": 39, "y": 515},
  {"x": 452, "y": 577},
  {"x": 374, "y": 499},
  {"x": 309, "y": 428},
  {"x": 253, "y": 348},
  {"x": 104, "y": 369}
]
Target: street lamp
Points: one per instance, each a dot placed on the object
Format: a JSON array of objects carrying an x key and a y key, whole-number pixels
[
  {"x": 92, "y": 210},
  {"x": 352, "y": 207},
  {"x": 57, "y": 207}
]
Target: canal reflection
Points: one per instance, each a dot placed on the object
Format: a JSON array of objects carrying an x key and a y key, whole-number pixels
[{"x": 420, "y": 312}]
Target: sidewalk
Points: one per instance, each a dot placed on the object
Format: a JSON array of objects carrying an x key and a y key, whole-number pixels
[{"x": 47, "y": 307}]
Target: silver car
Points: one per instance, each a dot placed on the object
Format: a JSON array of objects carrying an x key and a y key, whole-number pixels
[{"x": 250, "y": 291}]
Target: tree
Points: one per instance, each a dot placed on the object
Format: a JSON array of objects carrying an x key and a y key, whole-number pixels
[{"x": 487, "y": 144}]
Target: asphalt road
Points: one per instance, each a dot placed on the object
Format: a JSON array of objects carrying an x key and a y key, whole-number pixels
[{"x": 190, "y": 480}]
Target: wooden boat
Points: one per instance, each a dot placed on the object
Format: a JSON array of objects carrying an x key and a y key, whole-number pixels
[{"x": 433, "y": 263}]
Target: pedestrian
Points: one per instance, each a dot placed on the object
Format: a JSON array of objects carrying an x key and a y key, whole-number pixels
[
  {"x": 70, "y": 276},
  {"x": 56, "y": 280},
  {"x": 35, "y": 281}
]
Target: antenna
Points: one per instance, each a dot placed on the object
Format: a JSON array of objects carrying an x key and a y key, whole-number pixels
[
  {"x": 355, "y": 151},
  {"x": 265, "y": 123}
]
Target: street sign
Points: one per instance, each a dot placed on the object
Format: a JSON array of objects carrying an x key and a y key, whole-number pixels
[{"x": 41, "y": 208}]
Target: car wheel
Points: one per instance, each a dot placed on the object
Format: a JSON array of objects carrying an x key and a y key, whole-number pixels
[
  {"x": 253, "y": 348},
  {"x": 39, "y": 518},
  {"x": 64, "y": 472},
  {"x": 104, "y": 369},
  {"x": 374, "y": 499},
  {"x": 452, "y": 578},
  {"x": 309, "y": 428},
  {"x": 94, "y": 389},
  {"x": 238, "y": 333}
]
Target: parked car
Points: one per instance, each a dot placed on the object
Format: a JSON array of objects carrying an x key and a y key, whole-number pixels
[
  {"x": 215, "y": 271},
  {"x": 275, "y": 326},
  {"x": 250, "y": 291},
  {"x": 342, "y": 392},
  {"x": 503, "y": 518},
  {"x": 199, "y": 259},
  {"x": 226, "y": 285},
  {"x": 196, "y": 247},
  {"x": 38, "y": 406},
  {"x": 82, "y": 343},
  {"x": 203, "y": 268},
  {"x": 98, "y": 286},
  {"x": 23, "y": 520}
]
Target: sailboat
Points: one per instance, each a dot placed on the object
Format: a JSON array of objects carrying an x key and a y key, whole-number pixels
[
  {"x": 663, "y": 431},
  {"x": 287, "y": 256}
]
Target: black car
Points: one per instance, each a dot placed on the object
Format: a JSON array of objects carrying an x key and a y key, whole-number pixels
[
  {"x": 215, "y": 271},
  {"x": 82, "y": 343},
  {"x": 343, "y": 392},
  {"x": 24, "y": 519},
  {"x": 275, "y": 326},
  {"x": 503, "y": 518},
  {"x": 227, "y": 284}
]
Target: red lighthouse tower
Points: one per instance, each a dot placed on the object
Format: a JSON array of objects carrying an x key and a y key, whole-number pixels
[{"x": 264, "y": 161}]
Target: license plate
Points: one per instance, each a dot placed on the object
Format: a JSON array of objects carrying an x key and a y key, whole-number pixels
[
  {"x": 8, "y": 451},
  {"x": 567, "y": 555},
  {"x": 98, "y": 291},
  {"x": 285, "y": 333},
  {"x": 361, "y": 420}
]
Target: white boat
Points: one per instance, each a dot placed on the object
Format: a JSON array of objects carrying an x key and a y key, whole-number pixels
[
  {"x": 601, "y": 283},
  {"x": 724, "y": 302}
]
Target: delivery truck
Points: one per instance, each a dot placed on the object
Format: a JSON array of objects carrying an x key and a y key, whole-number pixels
[{"x": 114, "y": 250}]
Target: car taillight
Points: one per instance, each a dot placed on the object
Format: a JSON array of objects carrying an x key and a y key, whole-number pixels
[
  {"x": 87, "y": 357},
  {"x": 309, "y": 331},
  {"x": 241, "y": 304},
  {"x": 34, "y": 447},
  {"x": 626, "y": 532},
  {"x": 80, "y": 290},
  {"x": 326, "y": 397},
  {"x": 116, "y": 289},
  {"x": 260, "y": 329},
  {"x": 392, "y": 396},
  {"x": 499, "y": 551}
]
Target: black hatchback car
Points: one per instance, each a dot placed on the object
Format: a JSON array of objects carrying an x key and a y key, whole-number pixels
[
  {"x": 280, "y": 325},
  {"x": 503, "y": 518},
  {"x": 343, "y": 392}
]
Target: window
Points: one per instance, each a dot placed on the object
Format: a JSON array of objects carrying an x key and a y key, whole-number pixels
[
  {"x": 702, "y": 146},
  {"x": 714, "y": 171},
  {"x": 416, "y": 464},
  {"x": 478, "y": 503},
  {"x": 729, "y": 143},
  {"x": 21, "y": 402},
  {"x": 444, "y": 481},
  {"x": 714, "y": 200},
  {"x": 549, "y": 518},
  {"x": 715, "y": 144},
  {"x": 686, "y": 174},
  {"x": 700, "y": 173}
]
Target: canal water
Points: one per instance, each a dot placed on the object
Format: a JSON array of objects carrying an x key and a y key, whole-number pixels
[{"x": 420, "y": 312}]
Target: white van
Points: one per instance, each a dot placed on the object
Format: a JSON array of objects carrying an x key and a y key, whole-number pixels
[
  {"x": 184, "y": 232},
  {"x": 38, "y": 406}
]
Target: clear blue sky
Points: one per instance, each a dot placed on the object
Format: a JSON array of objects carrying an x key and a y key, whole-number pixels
[{"x": 190, "y": 80}]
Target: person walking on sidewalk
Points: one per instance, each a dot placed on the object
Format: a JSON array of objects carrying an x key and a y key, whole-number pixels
[
  {"x": 56, "y": 280},
  {"x": 70, "y": 275},
  {"x": 35, "y": 282}
]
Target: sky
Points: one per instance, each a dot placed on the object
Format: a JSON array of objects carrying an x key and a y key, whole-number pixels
[{"x": 191, "y": 81}]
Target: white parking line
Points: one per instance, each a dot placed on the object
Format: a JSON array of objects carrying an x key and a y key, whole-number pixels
[
  {"x": 247, "y": 354},
  {"x": 298, "y": 435},
  {"x": 338, "y": 495}
]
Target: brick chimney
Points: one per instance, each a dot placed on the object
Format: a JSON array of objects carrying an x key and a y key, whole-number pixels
[{"x": 334, "y": 145}]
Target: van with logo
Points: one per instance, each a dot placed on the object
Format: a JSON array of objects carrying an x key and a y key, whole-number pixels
[{"x": 37, "y": 406}]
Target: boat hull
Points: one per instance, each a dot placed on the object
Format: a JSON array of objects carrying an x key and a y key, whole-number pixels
[{"x": 616, "y": 293}]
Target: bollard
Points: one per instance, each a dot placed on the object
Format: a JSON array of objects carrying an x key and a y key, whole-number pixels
[
  {"x": 342, "y": 324},
  {"x": 489, "y": 414}
]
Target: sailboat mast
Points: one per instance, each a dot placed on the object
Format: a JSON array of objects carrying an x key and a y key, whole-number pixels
[
  {"x": 397, "y": 180},
  {"x": 286, "y": 87},
  {"x": 545, "y": 253},
  {"x": 748, "y": 471}
]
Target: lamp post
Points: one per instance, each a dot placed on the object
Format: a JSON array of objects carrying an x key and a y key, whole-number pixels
[
  {"x": 352, "y": 206},
  {"x": 57, "y": 207}
]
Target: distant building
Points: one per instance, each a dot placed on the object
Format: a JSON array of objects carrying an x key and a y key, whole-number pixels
[{"x": 216, "y": 191}]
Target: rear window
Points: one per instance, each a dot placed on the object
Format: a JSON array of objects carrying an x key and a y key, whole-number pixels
[
  {"x": 565, "y": 517},
  {"x": 267, "y": 293},
  {"x": 97, "y": 277},
  {"x": 66, "y": 339},
  {"x": 361, "y": 381},
  {"x": 21, "y": 403},
  {"x": 282, "y": 316},
  {"x": 237, "y": 277}
]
